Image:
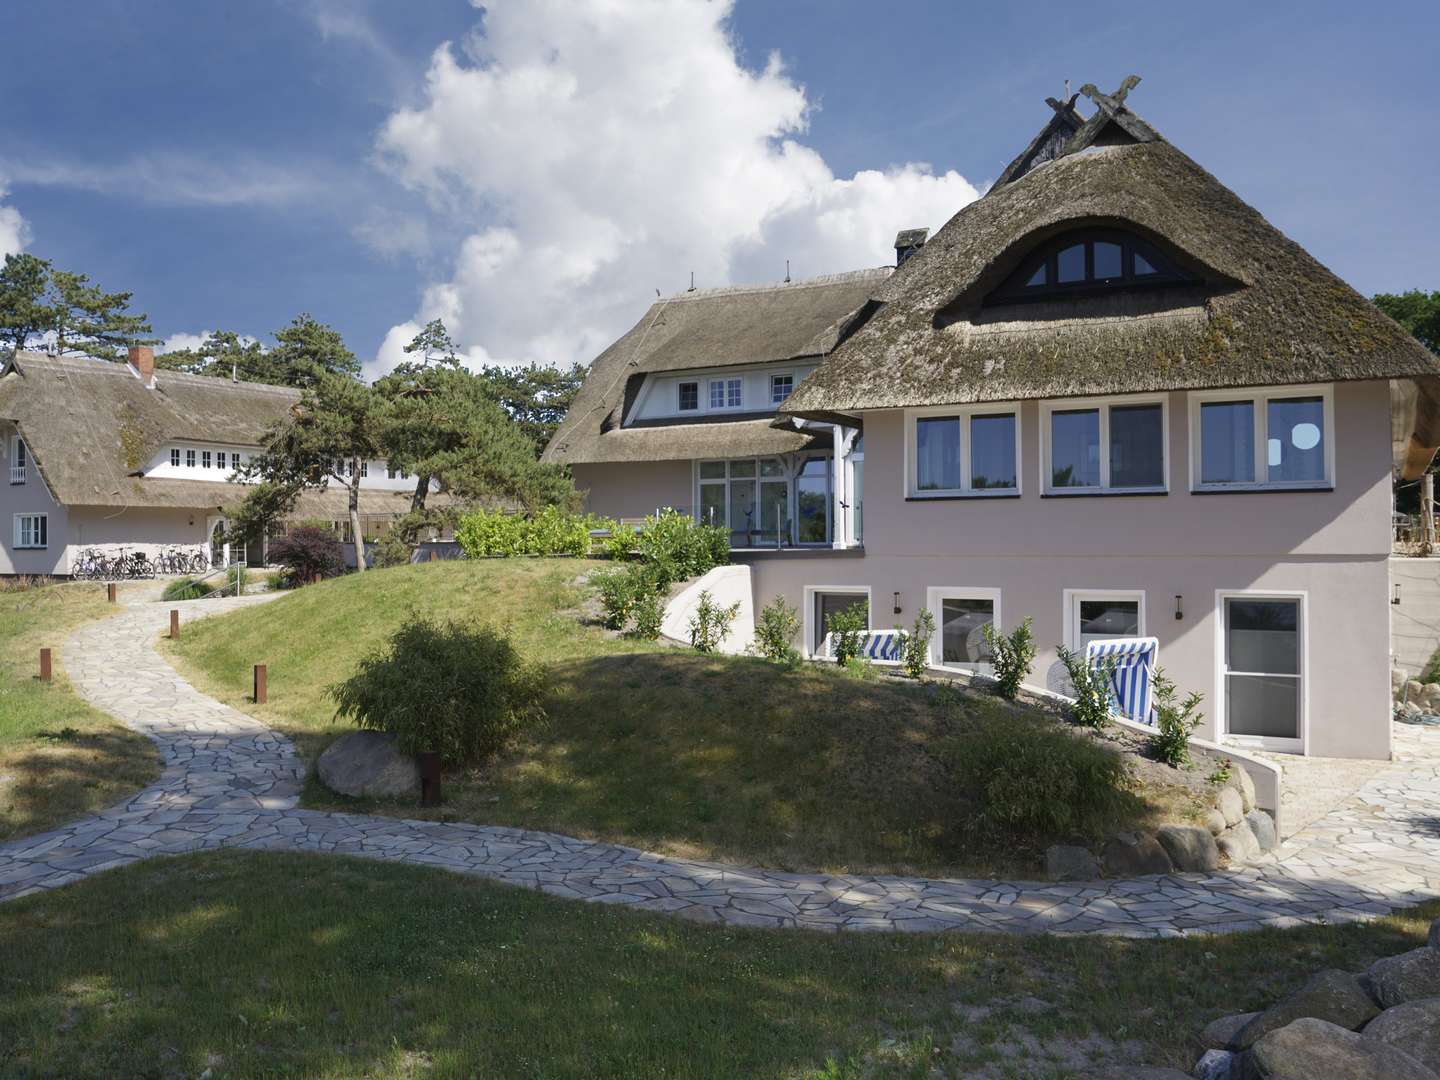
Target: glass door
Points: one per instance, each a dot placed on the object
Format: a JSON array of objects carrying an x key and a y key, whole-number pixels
[
  {"x": 1262, "y": 676},
  {"x": 812, "y": 501}
]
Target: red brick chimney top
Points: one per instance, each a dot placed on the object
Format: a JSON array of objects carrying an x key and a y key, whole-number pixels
[{"x": 142, "y": 359}]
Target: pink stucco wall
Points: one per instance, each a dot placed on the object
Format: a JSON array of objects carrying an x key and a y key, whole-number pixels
[{"x": 634, "y": 489}]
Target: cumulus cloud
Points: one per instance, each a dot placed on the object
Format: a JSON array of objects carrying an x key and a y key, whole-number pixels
[
  {"x": 14, "y": 229},
  {"x": 587, "y": 155},
  {"x": 181, "y": 340}
]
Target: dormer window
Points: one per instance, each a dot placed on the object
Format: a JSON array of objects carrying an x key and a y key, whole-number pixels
[
  {"x": 689, "y": 396},
  {"x": 1085, "y": 262},
  {"x": 726, "y": 393}
]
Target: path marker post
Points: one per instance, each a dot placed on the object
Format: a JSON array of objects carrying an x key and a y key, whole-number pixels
[
  {"x": 174, "y": 623},
  {"x": 261, "y": 694},
  {"x": 45, "y": 673},
  {"x": 110, "y": 592}
]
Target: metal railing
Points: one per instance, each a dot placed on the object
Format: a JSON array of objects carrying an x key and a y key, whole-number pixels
[{"x": 17, "y": 474}]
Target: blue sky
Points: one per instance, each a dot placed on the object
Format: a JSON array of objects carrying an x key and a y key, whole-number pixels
[{"x": 234, "y": 164}]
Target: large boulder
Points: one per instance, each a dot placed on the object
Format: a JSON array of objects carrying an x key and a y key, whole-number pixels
[
  {"x": 1238, "y": 844},
  {"x": 1241, "y": 782},
  {"x": 1407, "y": 977},
  {"x": 1229, "y": 802},
  {"x": 1134, "y": 854},
  {"x": 1190, "y": 847},
  {"x": 1413, "y": 689},
  {"x": 1430, "y": 697},
  {"x": 1220, "y": 1034},
  {"x": 1413, "y": 1027},
  {"x": 1214, "y": 821},
  {"x": 1311, "y": 1049},
  {"x": 368, "y": 764},
  {"x": 1066, "y": 863},
  {"x": 1262, "y": 826},
  {"x": 1332, "y": 995},
  {"x": 1217, "y": 1065}
]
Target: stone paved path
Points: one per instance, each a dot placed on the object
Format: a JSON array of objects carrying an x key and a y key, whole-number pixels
[{"x": 229, "y": 781}]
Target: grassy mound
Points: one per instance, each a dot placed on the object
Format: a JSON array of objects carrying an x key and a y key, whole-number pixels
[{"x": 662, "y": 748}]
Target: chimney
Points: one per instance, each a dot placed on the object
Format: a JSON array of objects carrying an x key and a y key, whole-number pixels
[
  {"x": 142, "y": 359},
  {"x": 907, "y": 243}
]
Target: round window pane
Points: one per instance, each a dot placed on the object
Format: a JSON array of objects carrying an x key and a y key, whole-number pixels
[{"x": 1305, "y": 436}]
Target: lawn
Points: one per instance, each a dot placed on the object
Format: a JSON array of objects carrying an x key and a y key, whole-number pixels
[
  {"x": 60, "y": 759},
  {"x": 716, "y": 757},
  {"x": 250, "y": 964}
]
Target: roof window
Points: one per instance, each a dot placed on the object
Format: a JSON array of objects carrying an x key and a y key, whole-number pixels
[{"x": 1086, "y": 262}]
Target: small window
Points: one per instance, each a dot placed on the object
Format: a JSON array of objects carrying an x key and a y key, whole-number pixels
[
  {"x": 18, "y": 472},
  {"x": 31, "y": 530},
  {"x": 1105, "y": 447},
  {"x": 717, "y": 394},
  {"x": 364, "y": 468},
  {"x": 1099, "y": 616},
  {"x": 175, "y": 458},
  {"x": 1086, "y": 260},
  {"x": 390, "y": 472},
  {"x": 689, "y": 396},
  {"x": 964, "y": 453},
  {"x": 733, "y": 393},
  {"x": 1274, "y": 438},
  {"x": 827, "y": 606},
  {"x": 961, "y": 616},
  {"x": 205, "y": 459},
  {"x": 190, "y": 459},
  {"x": 780, "y": 387},
  {"x": 220, "y": 459}
]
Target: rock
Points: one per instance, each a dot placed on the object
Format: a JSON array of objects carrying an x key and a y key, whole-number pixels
[
  {"x": 1066, "y": 863},
  {"x": 1397, "y": 678},
  {"x": 1332, "y": 995},
  {"x": 1413, "y": 689},
  {"x": 1230, "y": 803},
  {"x": 1241, "y": 782},
  {"x": 1214, "y": 821},
  {"x": 1262, "y": 827},
  {"x": 1217, "y": 1065},
  {"x": 1231, "y": 849},
  {"x": 1311, "y": 1049},
  {"x": 367, "y": 763},
  {"x": 1413, "y": 1027},
  {"x": 1435, "y": 934},
  {"x": 1134, "y": 854},
  {"x": 1220, "y": 1034},
  {"x": 1190, "y": 847},
  {"x": 1407, "y": 977},
  {"x": 1412, "y": 711},
  {"x": 1430, "y": 697}
]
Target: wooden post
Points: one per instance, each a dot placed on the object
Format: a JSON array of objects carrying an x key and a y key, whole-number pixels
[
  {"x": 1427, "y": 514},
  {"x": 261, "y": 690},
  {"x": 174, "y": 623},
  {"x": 110, "y": 592},
  {"x": 45, "y": 665}
]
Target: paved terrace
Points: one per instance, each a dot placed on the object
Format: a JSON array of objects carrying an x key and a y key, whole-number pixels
[{"x": 230, "y": 781}]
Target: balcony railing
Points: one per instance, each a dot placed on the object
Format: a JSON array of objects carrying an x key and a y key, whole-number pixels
[{"x": 17, "y": 474}]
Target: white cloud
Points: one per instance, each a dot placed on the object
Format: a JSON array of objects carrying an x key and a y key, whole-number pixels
[
  {"x": 183, "y": 340},
  {"x": 590, "y": 154},
  {"x": 171, "y": 178},
  {"x": 14, "y": 229}
]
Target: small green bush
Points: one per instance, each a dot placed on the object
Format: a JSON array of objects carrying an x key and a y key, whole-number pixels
[
  {"x": 710, "y": 624},
  {"x": 648, "y": 612},
  {"x": 392, "y": 550},
  {"x": 1038, "y": 781},
  {"x": 617, "y": 596},
  {"x": 677, "y": 548},
  {"x": 462, "y": 692},
  {"x": 622, "y": 541},
  {"x": 775, "y": 632},
  {"x": 1010, "y": 656},
  {"x": 185, "y": 588},
  {"x": 1091, "y": 687},
  {"x": 847, "y": 631},
  {"x": 552, "y": 531},
  {"x": 1173, "y": 723},
  {"x": 915, "y": 645}
]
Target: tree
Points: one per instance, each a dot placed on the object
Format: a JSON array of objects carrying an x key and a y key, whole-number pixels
[
  {"x": 1416, "y": 311},
  {"x": 537, "y": 397},
  {"x": 307, "y": 345},
  {"x": 222, "y": 354},
  {"x": 37, "y": 300}
]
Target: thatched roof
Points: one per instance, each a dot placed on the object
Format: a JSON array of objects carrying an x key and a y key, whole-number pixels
[
  {"x": 1263, "y": 311},
  {"x": 708, "y": 329},
  {"x": 91, "y": 426}
]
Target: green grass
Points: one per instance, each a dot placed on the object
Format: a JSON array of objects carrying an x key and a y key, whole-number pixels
[
  {"x": 705, "y": 756},
  {"x": 271, "y": 964},
  {"x": 59, "y": 758}
]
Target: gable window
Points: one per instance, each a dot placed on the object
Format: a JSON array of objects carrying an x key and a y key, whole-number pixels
[
  {"x": 19, "y": 459},
  {"x": 1253, "y": 440},
  {"x": 958, "y": 452},
  {"x": 31, "y": 530},
  {"x": 205, "y": 459},
  {"x": 689, "y": 392},
  {"x": 780, "y": 387},
  {"x": 1086, "y": 261},
  {"x": 189, "y": 459},
  {"x": 175, "y": 457},
  {"x": 725, "y": 393},
  {"x": 1103, "y": 446}
]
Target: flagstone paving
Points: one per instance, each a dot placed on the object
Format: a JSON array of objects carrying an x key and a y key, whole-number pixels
[{"x": 230, "y": 781}]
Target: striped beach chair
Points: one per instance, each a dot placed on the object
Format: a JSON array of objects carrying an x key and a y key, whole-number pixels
[
  {"x": 1132, "y": 679},
  {"x": 877, "y": 645}
]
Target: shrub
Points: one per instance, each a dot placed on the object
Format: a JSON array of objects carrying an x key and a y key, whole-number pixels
[
  {"x": 621, "y": 542},
  {"x": 775, "y": 631},
  {"x": 617, "y": 596},
  {"x": 648, "y": 612},
  {"x": 677, "y": 548},
  {"x": 552, "y": 531},
  {"x": 1091, "y": 688},
  {"x": 185, "y": 588},
  {"x": 392, "y": 550},
  {"x": 310, "y": 552},
  {"x": 711, "y": 623},
  {"x": 1011, "y": 656},
  {"x": 1038, "y": 781},
  {"x": 915, "y": 646},
  {"x": 463, "y": 692},
  {"x": 1173, "y": 723},
  {"x": 847, "y": 631}
]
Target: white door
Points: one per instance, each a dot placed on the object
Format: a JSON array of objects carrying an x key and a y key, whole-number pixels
[{"x": 1261, "y": 671}]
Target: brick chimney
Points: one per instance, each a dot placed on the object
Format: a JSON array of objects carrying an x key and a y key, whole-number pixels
[{"x": 142, "y": 359}]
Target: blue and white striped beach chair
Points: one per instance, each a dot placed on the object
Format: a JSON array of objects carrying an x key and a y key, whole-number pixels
[
  {"x": 878, "y": 645},
  {"x": 1132, "y": 679}
]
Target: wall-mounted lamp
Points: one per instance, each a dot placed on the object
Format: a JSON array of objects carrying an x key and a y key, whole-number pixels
[
  {"x": 897, "y": 603},
  {"x": 1395, "y": 596},
  {"x": 1179, "y": 611}
]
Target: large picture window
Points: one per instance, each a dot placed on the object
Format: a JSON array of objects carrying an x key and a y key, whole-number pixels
[
  {"x": 964, "y": 452},
  {"x": 766, "y": 502},
  {"x": 1104, "y": 446},
  {"x": 1281, "y": 438}
]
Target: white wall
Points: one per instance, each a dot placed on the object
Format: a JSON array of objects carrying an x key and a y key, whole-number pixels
[
  {"x": 659, "y": 397},
  {"x": 726, "y": 585},
  {"x": 160, "y": 467}
]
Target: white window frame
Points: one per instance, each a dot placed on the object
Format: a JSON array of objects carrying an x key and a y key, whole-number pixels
[
  {"x": 43, "y": 526},
  {"x": 811, "y": 645},
  {"x": 19, "y": 460},
  {"x": 175, "y": 457},
  {"x": 934, "y": 596},
  {"x": 965, "y": 414},
  {"x": 1221, "y": 699},
  {"x": 190, "y": 459},
  {"x": 774, "y": 375},
  {"x": 1104, "y": 404},
  {"x": 1070, "y": 610},
  {"x": 1260, "y": 398}
]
